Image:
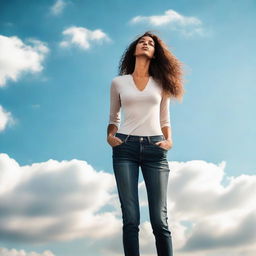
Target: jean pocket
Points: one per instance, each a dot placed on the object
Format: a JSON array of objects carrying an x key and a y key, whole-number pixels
[
  {"x": 118, "y": 145},
  {"x": 154, "y": 141}
]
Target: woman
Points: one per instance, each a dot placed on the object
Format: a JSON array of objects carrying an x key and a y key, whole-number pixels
[{"x": 149, "y": 75}]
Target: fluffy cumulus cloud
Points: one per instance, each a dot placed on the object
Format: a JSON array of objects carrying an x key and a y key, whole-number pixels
[
  {"x": 14, "y": 252},
  {"x": 173, "y": 20},
  {"x": 212, "y": 217},
  {"x": 209, "y": 214},
  {"x": 6, "y": 119},
  {"x": 58, "y": 7},
  {"x": 83, "y": 37},
  {"x": 54, "y": 201},
  {"x": 18, "y": 57}
]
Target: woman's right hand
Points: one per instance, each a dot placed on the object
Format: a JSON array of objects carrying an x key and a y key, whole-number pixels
[{"x": 114, "y": 141}]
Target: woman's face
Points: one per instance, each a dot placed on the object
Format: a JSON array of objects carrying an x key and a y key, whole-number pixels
[{"x": 145, "y": 46}]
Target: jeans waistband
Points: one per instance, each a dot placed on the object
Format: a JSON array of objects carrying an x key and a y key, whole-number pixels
[{"x": 128, "y": 137}]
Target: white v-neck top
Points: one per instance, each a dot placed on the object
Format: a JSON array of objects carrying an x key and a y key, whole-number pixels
[{"x": 145, "y": 112}]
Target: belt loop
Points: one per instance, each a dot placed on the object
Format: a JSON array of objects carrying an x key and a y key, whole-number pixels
[{"x": 149, "y": 139}]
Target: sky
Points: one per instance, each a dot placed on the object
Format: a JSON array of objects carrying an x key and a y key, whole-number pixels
[{"x": 58, "y": 193}]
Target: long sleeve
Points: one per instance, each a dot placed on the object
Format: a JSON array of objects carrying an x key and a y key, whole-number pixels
[
  {"x": 115, "y": 105},
  {"x": 165, "y": 112}
]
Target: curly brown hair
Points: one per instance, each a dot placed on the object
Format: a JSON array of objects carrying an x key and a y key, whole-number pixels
[{"x": 165, "y": 68}]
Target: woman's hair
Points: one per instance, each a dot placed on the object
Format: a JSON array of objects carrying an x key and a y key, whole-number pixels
[{"x": 164, "y": 68}]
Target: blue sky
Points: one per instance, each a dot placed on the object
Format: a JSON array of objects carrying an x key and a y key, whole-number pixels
[{"x": 57, "y": 60}]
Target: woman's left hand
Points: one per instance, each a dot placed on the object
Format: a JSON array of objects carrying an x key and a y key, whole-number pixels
[{"x": 166, "y": 144}]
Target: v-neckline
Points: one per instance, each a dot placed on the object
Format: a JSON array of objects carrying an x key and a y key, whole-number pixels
[{"x": 134, "y": 84}]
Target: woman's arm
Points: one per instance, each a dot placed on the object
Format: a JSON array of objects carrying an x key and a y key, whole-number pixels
[
  {"x": 114, "y": 115},
  {"x": 112, "y": 129},
  {"x": 165, "y": 120},
  {"x": 115, "y": 105},
  {"x": 167, "y": 132}
]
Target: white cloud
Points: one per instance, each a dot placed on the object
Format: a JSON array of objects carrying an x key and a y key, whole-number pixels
[
  {"x": 82, "y": 37},
  {"x": 14, "y": 252},
  {"x": 16, "y": 57},
  {"x": 58, "y": 7},
  {"x": 188, "y": 26},
  {"x": 6, "y": 119},
  {"x": 60, "y": 201},
  {"x": 219, "y": 216},
  {"x": 54, "y": 201}
]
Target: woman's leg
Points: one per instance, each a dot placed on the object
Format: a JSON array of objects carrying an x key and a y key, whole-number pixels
[
  {"x": 126, "y": 175},
  {"x": 155, "y": 170}
]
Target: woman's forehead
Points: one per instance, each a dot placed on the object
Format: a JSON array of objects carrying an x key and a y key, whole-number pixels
[{"x": 147, "y": 37}]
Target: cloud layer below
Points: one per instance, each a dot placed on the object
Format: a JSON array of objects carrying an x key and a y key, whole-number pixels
[{"x": 62, "y": 201}]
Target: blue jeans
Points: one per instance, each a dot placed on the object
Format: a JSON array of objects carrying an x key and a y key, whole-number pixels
[{"x": 142, "y": 151}]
